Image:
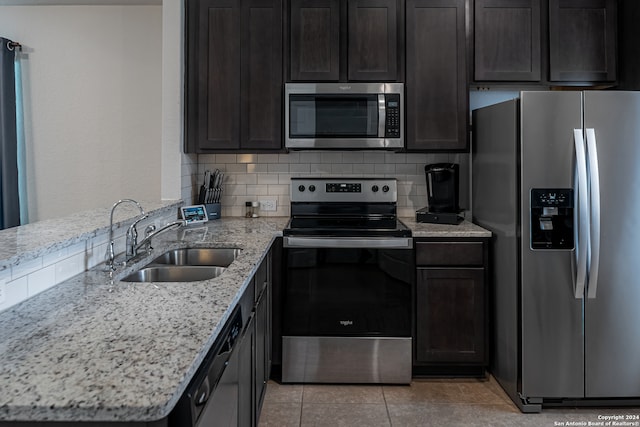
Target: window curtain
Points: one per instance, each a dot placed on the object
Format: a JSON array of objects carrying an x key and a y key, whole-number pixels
[{"x": 9, "y": 194}]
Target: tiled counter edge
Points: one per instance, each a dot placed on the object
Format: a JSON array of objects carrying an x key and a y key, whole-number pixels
[{"x": 37, "y": 256}]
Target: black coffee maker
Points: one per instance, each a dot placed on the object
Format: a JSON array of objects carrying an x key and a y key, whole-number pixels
[{"x": 442, "y": 194}]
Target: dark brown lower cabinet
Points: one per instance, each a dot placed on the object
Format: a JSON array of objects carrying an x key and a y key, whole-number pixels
[{"x": 451, "y": 333}]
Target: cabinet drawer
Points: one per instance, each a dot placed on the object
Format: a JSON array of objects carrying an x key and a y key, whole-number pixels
[{"x": 449, "y": 253}]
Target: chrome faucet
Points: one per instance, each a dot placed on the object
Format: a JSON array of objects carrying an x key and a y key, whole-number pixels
[
  {"x": 151, "y": 232},
  {"x": 132, "y": 233}
]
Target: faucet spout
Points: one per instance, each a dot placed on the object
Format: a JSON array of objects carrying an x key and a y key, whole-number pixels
[
  {"x": 110, "y": 250},
  {"x": 152, "y": 234}
]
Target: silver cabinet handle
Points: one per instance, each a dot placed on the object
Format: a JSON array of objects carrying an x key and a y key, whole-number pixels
[
  {"x": 582, "y": 214},
  {"x": 594, "y": 199}
]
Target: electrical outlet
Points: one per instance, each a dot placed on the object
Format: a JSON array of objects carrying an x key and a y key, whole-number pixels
[{"x": 268, "y": 205}]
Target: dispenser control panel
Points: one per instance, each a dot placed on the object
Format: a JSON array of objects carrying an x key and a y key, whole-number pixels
[{"x": 552, "y": 219}]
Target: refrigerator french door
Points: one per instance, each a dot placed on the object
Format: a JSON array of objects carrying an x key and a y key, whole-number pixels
[{"x": 556, "y": 178}]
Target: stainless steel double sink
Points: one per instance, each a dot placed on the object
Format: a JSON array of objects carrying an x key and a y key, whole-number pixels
[{"x": 186, "y": 265}]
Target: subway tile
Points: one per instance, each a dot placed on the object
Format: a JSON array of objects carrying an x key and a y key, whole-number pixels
[
  {"x": 406, "y": 168},
  {"x": 243, "y": 179},
  {"x": 331, "y": 157},
  {"x": 25, "y": 268},
  {"x": 69, "y": 267},
  {"x": 373, "y": 157},
  {"x": 275, "y": 190},
  {"x": 353, "y": 157},
  {"x": 226, "y": 158},
  {"x": 364, "y": 168},
  {"x": 257, "y": 190},
  {"x": 235, "y": 189},
  {"x": 257, "y": 168},
  {"x": 234, "y": 168},
  {"x": 247, "y": 158},
  {"x": 417, "y": 158},
  {"x": 41, "y": 280},
  {"x": 268, "y": 158},
  {"x": 15, "y": 291},
  {"x": 385, "y": 168},
  {"x": 278, "y": 167},
  {"x": 293, "y": 157},
  {"x": 342, "y": 168},
  {"x": 395, "y": 158},
  {"x": 266, "y": 178},
  {"x": 284, "y": 178},
  {"x": 299, "y": 168},
  {"x": 310, "y": 157},
  {"x": 319, "y": 168}
]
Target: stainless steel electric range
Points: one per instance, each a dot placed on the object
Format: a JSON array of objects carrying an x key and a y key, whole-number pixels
[{"x": 348, "y": 283}]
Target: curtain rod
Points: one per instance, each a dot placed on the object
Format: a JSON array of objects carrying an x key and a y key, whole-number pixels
[{"x": 13, "y": 45}]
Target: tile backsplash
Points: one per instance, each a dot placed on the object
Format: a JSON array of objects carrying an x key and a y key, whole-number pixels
[{"x": 255, "y": 177}]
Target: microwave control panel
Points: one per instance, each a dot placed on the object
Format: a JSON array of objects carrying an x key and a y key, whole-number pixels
[{"x": 392, "y": 122}]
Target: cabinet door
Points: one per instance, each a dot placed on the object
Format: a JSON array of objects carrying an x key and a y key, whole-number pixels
[
  {"x": 218, "y": 108},
  {"x": 450, "y": 315},
  {"x": 373, "y": 40},
  {"x": 315, "y": 40},
  {"x": 234, "y": 75},
  {"x": 436, "y": 86},
  {"x": 507, "y": 40},
  {"x": 261, "y": 75},
  {"x": 582, "y": 40}
]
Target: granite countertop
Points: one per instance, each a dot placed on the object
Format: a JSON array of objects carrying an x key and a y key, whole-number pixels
[
  {"x": 19, "y": 244},
  {"x": 98, "y": 349},
  {"x": 464, "y": 229},
  {"x": 94, "y": 348}
]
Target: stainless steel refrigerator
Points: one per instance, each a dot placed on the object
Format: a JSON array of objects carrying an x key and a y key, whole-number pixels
[{"x": 556, "y": 178}]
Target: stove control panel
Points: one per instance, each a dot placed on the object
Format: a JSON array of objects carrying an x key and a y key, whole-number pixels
[{"x": 365, "y": 190}]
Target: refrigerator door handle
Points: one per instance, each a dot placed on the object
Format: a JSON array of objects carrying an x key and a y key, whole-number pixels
[
  {"x": 594, "y": 198},
  {"x": 582, "y": 231}
]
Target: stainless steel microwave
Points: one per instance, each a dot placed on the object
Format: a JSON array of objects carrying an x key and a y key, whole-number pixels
[{"x": 344, "y": 116}]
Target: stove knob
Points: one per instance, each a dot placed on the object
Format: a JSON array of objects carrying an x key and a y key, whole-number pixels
[
  {"x": 385, "y": 189},
  {"x": 375, "y": 188},
  {"x": 312, "y": 188},
  {"x": 301, "y": 188}
]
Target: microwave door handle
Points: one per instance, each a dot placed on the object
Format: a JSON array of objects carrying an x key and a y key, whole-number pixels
[{"x": 382, "y": 115}]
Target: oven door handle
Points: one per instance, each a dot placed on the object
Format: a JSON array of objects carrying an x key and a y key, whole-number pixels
[{"x": 348, "y": 242}]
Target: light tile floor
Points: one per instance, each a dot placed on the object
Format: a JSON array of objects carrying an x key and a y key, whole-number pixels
[{"x": 455, "y": 402}]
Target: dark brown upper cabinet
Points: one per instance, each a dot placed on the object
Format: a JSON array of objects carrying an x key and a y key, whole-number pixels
[
  {"x": 346, "y": 40},
  {"x": 507, "y": 40},
  {"x": 233, "y": 75},
  {"x": 436, "y": 89},
  {"x": 315, "y": 40},
  {"x": 546, "y": 42},
  {"x": 582, "y": 40}
]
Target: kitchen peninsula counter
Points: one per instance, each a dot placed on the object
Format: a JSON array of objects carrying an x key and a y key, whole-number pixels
[{"x": 94, "y": 348}]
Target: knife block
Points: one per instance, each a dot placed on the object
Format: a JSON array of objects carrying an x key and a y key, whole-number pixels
[{"x": 213, "y": 210}]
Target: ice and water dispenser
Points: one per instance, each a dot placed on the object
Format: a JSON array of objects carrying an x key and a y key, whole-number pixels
[{"x": 552, "y": 219}]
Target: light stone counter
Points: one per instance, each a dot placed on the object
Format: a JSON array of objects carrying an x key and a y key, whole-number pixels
[
  {"x": 94, "y": 348},
  {"x": 24, "y": 243},
  {"x": 464, "y": 229}
]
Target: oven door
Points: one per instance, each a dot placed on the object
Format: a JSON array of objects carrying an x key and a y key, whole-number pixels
[{"x": 347, "y": 311}]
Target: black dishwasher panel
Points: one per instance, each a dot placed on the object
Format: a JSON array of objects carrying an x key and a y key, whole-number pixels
[{"x": 213, "y": 391}]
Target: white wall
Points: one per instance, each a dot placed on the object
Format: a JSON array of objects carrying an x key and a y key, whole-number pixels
[{"x": 92, "y": 82}]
